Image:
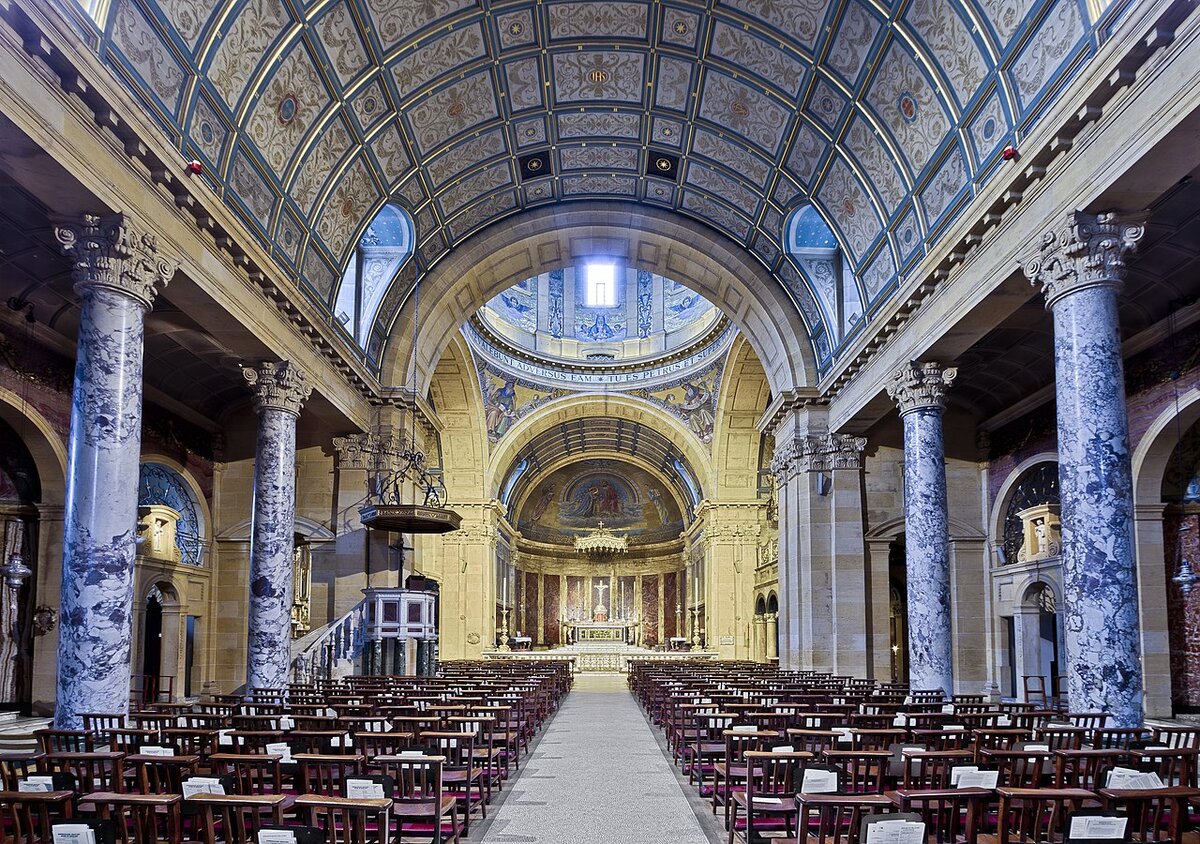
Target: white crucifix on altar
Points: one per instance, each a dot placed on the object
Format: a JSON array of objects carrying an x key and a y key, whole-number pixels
[{"x": 600, "y": 612}]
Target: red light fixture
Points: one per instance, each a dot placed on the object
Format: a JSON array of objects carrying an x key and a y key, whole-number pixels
[
  {"x": 1009, "y": 153},
  {"x": 195, "y": 167}
]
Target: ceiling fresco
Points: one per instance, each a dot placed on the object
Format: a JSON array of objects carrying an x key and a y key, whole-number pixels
[{"x": 884, "y": 117}]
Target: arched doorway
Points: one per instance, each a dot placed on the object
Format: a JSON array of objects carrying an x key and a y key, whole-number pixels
[
  {"x": 152, "y": 641},
  {"x": 1181, "y": 550},
  {"x": 1037, "y": 643}
]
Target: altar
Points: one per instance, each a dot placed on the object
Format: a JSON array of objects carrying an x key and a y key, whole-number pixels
[{"x": 621, "y": 632}]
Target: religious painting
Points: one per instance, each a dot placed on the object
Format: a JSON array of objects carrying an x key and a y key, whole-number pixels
[
  {"x": 575, "y": 498},
  {"x": 681, "y": 306},
  {"x": 692, "y": 400},
  {"x": 506, "y": 398},
  {"x": 518, "y": 305}
]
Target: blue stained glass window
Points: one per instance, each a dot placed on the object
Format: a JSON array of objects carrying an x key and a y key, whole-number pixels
[{"x": 159, "y": 484}]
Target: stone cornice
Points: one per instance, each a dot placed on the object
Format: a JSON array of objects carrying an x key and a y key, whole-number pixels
[
  {"x": 921, "y": 386},
  {"x": 278, "y": 386},
  {"x": 785, "y": 403},
  {"x": 1083, "y": 251},
  {"x": 114, "y": 253}
]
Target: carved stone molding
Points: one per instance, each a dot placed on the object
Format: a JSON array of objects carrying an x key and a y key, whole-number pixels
[
  {"x": 817, "y": 453},
  {"x": 355, "y": 451},
  {"x": 921, "y": 385},
  {"x": 111, "y": 252},
  {"x": 1085, "y": 250},
  {"x": 278, "y": 386}
]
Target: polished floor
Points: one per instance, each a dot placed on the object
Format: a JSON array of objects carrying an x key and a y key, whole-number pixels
[{"x": 598, "y": 774}]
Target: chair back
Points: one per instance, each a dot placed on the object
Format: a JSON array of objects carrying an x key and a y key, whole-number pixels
[
  {"x": 252, "y": 773},
  {"x": 99, "y": 771},
  {"x": 1036, "y": 814},
  {"x": 65, "y": 741},
  {"x": 162, "y": 774},
  {"x": 140, "y": 818},
  {"x": 346, "y": 820},
  {"x": 28, "y": 818},
  {"x": 837, "y": 818},
  {"x": 237, "y": 818}
]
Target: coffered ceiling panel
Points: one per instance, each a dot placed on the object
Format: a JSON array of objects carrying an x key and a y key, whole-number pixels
[{"x": 884, "y": 116}]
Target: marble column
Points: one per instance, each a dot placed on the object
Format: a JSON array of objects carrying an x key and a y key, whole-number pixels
[
  {"x": 772, "y": 620},
  {"x": 280, "y": 391},
  {"x": 1081, "y": 270},
  {"x": 117, "y": 272},
  {"x": 920, "y": 391}
]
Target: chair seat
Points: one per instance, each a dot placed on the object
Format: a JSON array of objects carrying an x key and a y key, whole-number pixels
[{"x": 423, "y": 809}]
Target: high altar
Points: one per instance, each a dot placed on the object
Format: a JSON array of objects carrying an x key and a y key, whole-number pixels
[{"x": 625, "y": 632}]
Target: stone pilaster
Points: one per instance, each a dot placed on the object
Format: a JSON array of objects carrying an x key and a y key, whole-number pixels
[
  {"x": 772, "y": 620},
  {"x": 919, "y": 389},
  {"x": 280, "y": 391},
  {"x": 117, "y": 270},
  {"x": 1081, "y": 269}
]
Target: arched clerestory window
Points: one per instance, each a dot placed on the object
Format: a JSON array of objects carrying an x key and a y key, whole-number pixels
[
  {"x": 814, "y": 248},
  {"x": 382, "y": 250}
]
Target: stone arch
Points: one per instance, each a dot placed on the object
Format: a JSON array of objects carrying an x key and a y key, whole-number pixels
[
  {"x": 893, "y": 529},
  {"x": 311, "y": 530},
  {"x": 772, "y": 602},
  {"x": 197, "y": 493},
  {"x": 1005, "y": 493},
  {"x": 760, "y": 604},
  {"x": 744, "y": 396},
  {"x": 456, "y": 397},
  {"x": 1150, "y": 460},
  {"x": 582, "y": 406},
  {"x": 650, "y": 239},
  {"x": 48, "y": 450}
]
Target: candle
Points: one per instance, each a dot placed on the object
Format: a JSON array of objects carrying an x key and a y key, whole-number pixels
[{"x": 504, "y": 600}]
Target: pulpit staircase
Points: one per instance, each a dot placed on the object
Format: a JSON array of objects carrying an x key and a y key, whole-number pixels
[{"x": 370, "y": 637}]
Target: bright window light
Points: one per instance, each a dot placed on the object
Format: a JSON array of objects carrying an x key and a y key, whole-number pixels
[{"x": 601, "y": 286}]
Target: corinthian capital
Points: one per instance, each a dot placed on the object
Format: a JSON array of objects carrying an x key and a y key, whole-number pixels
[
  {"x": 1085, "y": 250},
  {"x": 920, "y": 385},
  {"x": 845, "y": 451},
  {"x": 278, "y": 386},
  {"x": 111, "y": 252}
]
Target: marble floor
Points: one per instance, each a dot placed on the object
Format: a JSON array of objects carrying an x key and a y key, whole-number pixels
[{"x": 598, "y": 774}]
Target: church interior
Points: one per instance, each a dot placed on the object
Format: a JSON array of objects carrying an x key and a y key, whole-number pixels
[{"x": 641, "y": 420}]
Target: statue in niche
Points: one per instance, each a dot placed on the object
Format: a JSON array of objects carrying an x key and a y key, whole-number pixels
[{"x": 1042, "y": 533}]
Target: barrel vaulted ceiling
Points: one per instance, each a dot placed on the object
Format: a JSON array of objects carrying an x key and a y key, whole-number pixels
[{"x": 885, "y": 116}]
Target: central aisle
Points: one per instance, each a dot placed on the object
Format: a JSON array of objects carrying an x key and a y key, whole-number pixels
[{"x": 597, "y": 775}]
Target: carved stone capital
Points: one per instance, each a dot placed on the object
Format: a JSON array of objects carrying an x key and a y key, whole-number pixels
[
  {"x": 783, "y": 461},
  {"x": 356, "y": 451},
  {"x": 111, "y": 252},
  {"x": 1085, "y": 250},
  {"x": 278, "y": 386},
  {"x": 921, "y": 385},
  {"x": 845, "y": 451}
]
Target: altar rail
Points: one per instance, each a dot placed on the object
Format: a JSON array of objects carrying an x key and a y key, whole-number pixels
[{"x": 599, "y": 659}]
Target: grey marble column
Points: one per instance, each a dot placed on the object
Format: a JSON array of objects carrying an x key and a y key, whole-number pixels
[
  {"x": 920, "y": 391},
  {"x": 280, "y": 391},
  {"x": 1081, "y": 269},
  {"x": 117, "y": 273}
]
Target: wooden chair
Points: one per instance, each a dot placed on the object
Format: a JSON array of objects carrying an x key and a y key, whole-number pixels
[
  {"x": 1085, "y": 768},
  {"x": 1018, "y": 768},
  {"x": 766, "y": 804},
  {"x": 324, "y": 774},
  {"x": 1034, "y": 815},
  {"x": 130, "y": 740},
  {"x": 16, "y": 766},
  {"x": 65, "y": 741},
  {"x": 252, "y": 773},
  {"x": 162, "y": 774},
  {"x": 369, "y": 745},
  {"x": 102, "y": 771},
  {"x": 238, "y": 817},
  {"x": 950, "y": 815},
  {"x": 461, "y": 776},
  {"x": 732, "y": 771},
  {"x": 28, "y": 817},
  {"x": 837, "y": 818},
  {"x": 139, "y": 818},
  {"x": 925, "y": 770},
  {"x": 346, "y": 820},
  {"x": 98, "y": 724},
  {"x": 420, "y": 805},
  {"x": 865, "y": 770},
  {"x": 1157, "y": 816}
]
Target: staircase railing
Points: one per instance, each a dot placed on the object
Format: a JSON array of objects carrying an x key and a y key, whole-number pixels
[{"x": 316, "y": 655}]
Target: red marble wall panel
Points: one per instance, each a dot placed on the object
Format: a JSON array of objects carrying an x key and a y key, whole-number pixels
[
  {"x": 551, "y": 629},
  {"x": 650, "y": 610},
  {"x": 576, "y": 598},
  {"x": 670, "y": 601},
  {"x": 529, "y": 606},
  {"x": 624, "y": 605}
]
